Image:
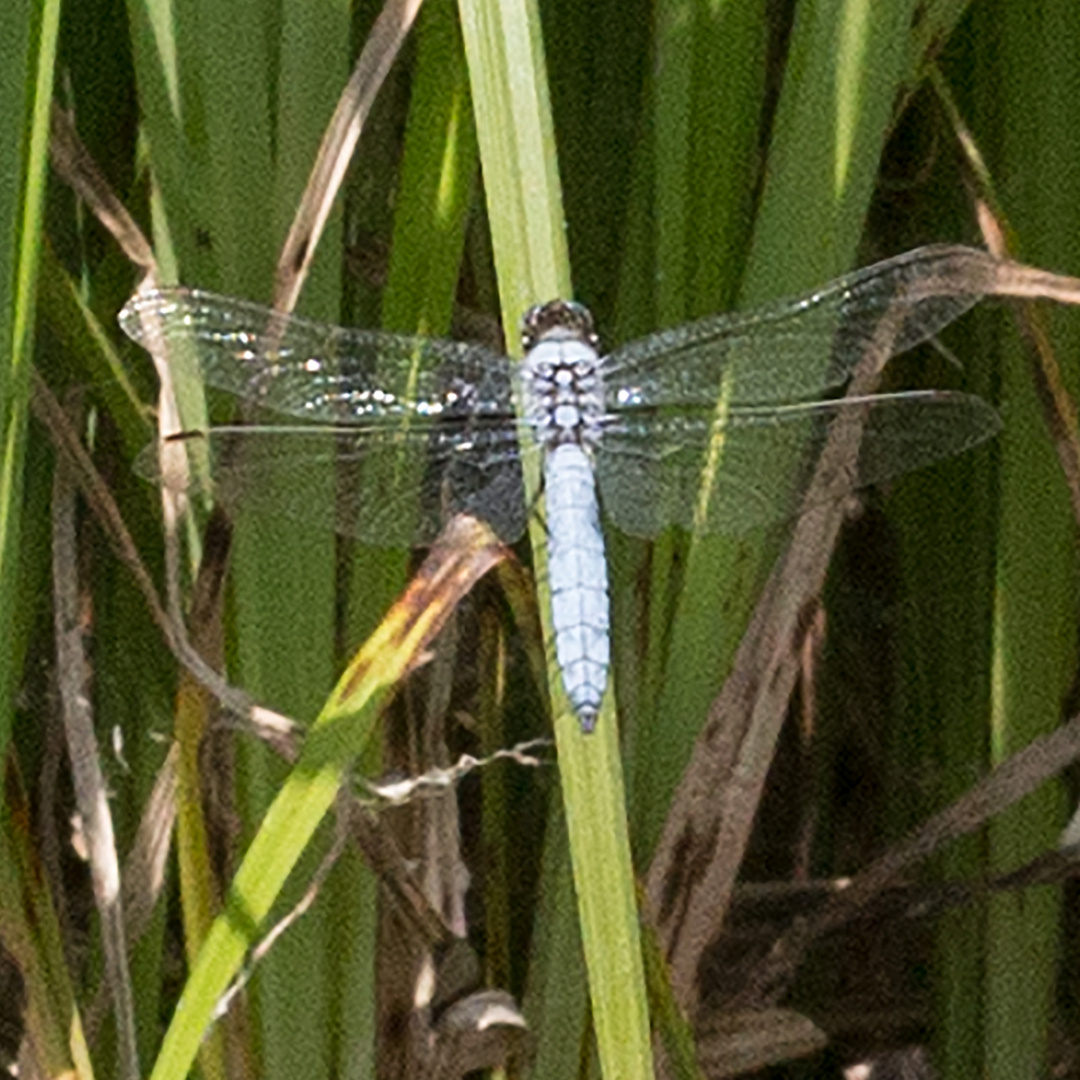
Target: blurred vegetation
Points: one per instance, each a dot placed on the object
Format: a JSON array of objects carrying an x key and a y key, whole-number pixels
[{"x": 711, "y": 156}]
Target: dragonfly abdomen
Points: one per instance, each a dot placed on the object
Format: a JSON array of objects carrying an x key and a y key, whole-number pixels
[{"x": 577, "y": 571}]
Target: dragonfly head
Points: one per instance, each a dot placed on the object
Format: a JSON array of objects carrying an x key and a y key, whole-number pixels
[{"x": 557, "y": 320}]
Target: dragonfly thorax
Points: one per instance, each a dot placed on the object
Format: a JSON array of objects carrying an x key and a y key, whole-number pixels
[
  {"x": 564, "y": 390},
  {"x": 564, "y": 393}
]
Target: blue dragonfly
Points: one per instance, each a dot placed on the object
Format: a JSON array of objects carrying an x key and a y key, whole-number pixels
[{"x": 688, "y": 427}]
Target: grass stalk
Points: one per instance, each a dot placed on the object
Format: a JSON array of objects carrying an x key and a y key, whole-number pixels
[{"x": 516, "y": 139}]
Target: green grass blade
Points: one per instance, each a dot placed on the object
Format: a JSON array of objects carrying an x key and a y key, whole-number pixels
[
  {"x": 235, "y": 97},
  {"x": 28, "y": 36},
  {"x": 29, "y": 926},
  {"x": 1036, "y": 584},
  {"x": 709, "y": 96},
  {"x": 438, "y": 175},
  {"x": 513, "y": 121},
  {"x": 284, "y": 573},
  {"x": 699, "y": 164},
  {"x": 524, "y": 208},
  {"x": 845, "y": 63},
  {"x": 557, "y": 996},
  {"x": 990, "y": 703},
  {"x": 431, "y": 203},
  {"x": 341, "y": 732}
]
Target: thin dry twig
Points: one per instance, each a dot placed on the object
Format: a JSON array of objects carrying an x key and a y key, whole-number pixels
[
  {"x": 301, "y": 908},
  {"x": 437, "y": 780}
]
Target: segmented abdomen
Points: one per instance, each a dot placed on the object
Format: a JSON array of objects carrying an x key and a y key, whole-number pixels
[{"x": 577, "y": 570}]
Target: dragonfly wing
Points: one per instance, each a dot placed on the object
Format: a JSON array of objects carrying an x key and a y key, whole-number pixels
[
  {"x": 798, "y": 348},
  {"x": 753, "y": 469},
  {"x": 393, "y": 489},
  {"x": 318, "y": 372}
]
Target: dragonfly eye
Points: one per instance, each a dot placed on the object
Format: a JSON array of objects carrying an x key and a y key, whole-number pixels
[{"x": 557, "y": 319}]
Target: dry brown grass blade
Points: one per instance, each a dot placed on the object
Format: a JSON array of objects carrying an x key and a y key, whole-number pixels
[
  {"x": 88, "y": 777},
  {"x": 144, "y": 868},
  {"x": 277, "y": 730},
  {"x": 336, "y": 149},
  {"x": 693, "y": 872},
  {"x": 1059, "y": 409},
  {"x": 52, "y": 1041},
  {"x": 143, "y": 875},
  {"x": 486, "y": 1030},
  {"x": 730, "y": 1044},
  {"x": 1015, "y": 778},
  {"x": 461, "y": 555},
  {"x": 75, "y": 166}
]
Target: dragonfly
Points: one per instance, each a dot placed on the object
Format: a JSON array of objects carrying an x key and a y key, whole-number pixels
[{"x": 701, "y": 426}]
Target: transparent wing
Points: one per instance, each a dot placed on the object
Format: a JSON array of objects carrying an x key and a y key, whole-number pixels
[
  {"x": 796, "y": 349},
  {"x": 417, "y": 428},
  {"x": 687, "y": 470},
  {"x": 394, "y": 489},
  {"x": 323, "y": 373}
]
